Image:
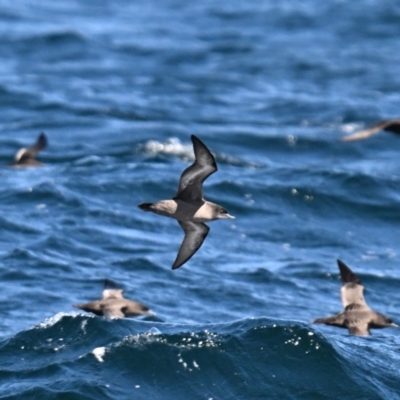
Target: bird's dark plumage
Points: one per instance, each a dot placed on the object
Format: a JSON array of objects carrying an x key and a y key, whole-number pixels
[
  {"x": 357, "y": 317},
  {"x": 26, "y": 157},
  {"x": 113, "y": 304},
  {"x": 347, "y": 274},
  {"x": 192, "y": 178},
  {"x": 195, "y": 233},
  {"x": 188, "y": 205}
]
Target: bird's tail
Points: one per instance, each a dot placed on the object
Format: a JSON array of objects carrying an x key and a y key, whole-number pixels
[{"x": 145, "y": 206}]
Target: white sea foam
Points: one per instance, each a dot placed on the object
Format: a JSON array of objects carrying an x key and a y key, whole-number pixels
[
  {"x": 48, "y": 322},
  {"x": 99, "y": 352},
  {"x": 172, "y": 147},
  {"x": 350, "y": 128}
]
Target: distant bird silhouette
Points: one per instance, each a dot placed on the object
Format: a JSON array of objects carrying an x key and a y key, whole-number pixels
[
  {"x": 113, "y": 304},
  {"x": 25, "y": 157},
  {"x": 390, "y": 125},
  {"x": 357, "y": 317},
  {"x": 188, "y": 206}
]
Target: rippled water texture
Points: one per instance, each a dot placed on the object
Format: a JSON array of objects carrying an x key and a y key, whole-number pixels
[{"x": 270, "y": 87}]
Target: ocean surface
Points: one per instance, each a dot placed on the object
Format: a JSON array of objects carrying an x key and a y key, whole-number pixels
[{"x": 271, "y": 88}]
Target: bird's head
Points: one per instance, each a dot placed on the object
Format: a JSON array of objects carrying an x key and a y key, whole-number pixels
[{"x": 222, "y": 213}]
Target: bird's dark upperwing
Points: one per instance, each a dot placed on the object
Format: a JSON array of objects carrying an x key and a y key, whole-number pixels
[
  {"x": 30, "y": 153},
  {"x": 335, "y": 320},
  {"x": 392, "y": 125},
  {"x": 347, "y": 274},
  {"x": 195, "y": 233},
  {"x": 192, "y": 178},
  {"x": 93, "y": 307},
  {"x": 40, "y": 144}
]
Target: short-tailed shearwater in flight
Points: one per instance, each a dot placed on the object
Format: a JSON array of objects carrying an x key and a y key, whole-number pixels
[
  {"x": 357, "y": 317},
  {"x": 114, "y": 305},
  {"x": 391, "y": 125},
  {"x": 26, "y": 156},
  {"x": 188, "y": 206}
]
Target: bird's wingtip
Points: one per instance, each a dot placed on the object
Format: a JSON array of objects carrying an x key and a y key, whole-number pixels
[
  {"x": 145, "y": 206},
  {"x": 109, "y": 284},
  {"x": 42, "y": 141}
]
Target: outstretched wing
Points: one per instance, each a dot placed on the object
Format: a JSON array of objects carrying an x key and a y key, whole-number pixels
[
  {"x": 30, "y": 152},
  {"x": 352, "y": 289},
  {"x": 335, "y": 320},
  {"x": 195, "y": 233},
  {"x": 192, "y": 178},
  {"x": 392, "y": 125},
  {"x": 40, "y": 144}
]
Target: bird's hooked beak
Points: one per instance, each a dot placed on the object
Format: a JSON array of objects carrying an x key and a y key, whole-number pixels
[
  {"x": 394, "y": 325},
  {"x": 229, "y": 216}
]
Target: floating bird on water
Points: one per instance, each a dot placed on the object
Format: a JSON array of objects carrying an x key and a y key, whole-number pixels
[
  {"x": 390, "y": 125},
  {"x": 188, "y": 206},
  {"x": 26, "y": 156},
  {"x": 357, "y": 317},
  {"x": 114, "y": 305}
]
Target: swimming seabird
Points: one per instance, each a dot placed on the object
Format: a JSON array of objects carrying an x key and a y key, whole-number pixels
[
  {"x": 26, "y": 156},
  {"x": 357, "y": 317},
  {"x": 114, "y": 305},
  {"x": 391, "y": 125},
  {"x": 188, "y": 206}
]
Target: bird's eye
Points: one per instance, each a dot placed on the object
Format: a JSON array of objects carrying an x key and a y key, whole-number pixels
[{"x": 224, "y": 211}]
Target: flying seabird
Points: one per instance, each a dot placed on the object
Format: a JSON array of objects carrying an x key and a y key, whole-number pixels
[
  {"x": 188, "y": 206},
  {"x": 26, "y": 156},
  {"x": 391, "y": 125},
  {"x": 114, "y": 305},
  {"x": 357, "y": 317}
]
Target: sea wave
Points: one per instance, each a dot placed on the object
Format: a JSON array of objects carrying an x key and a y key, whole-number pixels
[{"x": 243, "y": 359}]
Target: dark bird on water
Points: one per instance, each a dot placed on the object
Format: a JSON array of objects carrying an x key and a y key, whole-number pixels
[
  {"x": 25, "y": 157},
  {"x": 390, "y": 125},
  {"x": 114, "y": 305},
  {"x": 357, "y": 317},
  {"x": 188, "y": 206}
]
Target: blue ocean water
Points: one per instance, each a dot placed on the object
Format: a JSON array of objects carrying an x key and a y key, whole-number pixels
[{"x": 270, "y": 87}]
